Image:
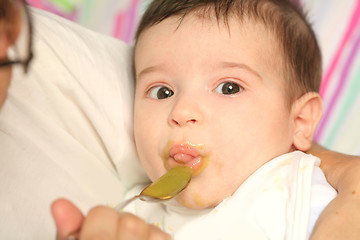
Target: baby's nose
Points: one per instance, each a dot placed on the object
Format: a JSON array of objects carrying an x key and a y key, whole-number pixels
[
  {"x": 186, "y": 112},
  {"x": 184, "y": 122}
]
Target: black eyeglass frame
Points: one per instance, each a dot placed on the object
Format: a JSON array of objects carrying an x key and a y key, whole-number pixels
[{"x": 26, "y": 62}]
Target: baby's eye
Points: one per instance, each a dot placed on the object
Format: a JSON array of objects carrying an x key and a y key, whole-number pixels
[
  {"x": 160, "y": 92},
  {"x": 228, "y": 88}
]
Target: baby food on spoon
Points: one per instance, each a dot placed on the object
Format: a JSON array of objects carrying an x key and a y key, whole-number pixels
[
  {"x": 169, "y": 185},
  {"x": 166, "y": 187}
]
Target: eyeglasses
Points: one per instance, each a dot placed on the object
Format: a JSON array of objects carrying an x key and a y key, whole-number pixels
[{"x": 21, "y": 50}]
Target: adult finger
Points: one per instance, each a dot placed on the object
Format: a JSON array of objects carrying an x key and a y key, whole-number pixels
[
  {"x": 131, "y": 227},
  {"x": 156, "y": 234},
  {"x": 100, "y": 223},
  {"x": 68, "y": 218}
]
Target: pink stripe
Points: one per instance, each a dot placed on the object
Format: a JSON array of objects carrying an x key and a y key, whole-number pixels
[
  {"x": 73, "y": 15},
  {"x": 343, "y": 79},
  {"x": 132, "y": 18},
  {"x": 125, "y": 22},
  {"x": 118, "y": 25},
  {"x": 36, "y": 3},
  {"x": 334, "y": 63}
]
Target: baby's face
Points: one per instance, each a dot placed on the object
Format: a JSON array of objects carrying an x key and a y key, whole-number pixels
[{"x": 210, "y": 99}]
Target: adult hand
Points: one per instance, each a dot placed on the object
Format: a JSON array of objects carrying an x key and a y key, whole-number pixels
[
  {"x": 341, "y": 218},
  {"x": 101, "y": 223}
]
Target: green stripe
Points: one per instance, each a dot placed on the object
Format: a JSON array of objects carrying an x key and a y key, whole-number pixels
[
  {"x": 350, "y": 98},
  {"x": 65, "y": 5},
  {"x": 86, "y": 11},
  {"x": 144, "y": 5}
]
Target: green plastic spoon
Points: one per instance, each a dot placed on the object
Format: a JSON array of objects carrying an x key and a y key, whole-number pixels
[{"x": 166, "y": 187}]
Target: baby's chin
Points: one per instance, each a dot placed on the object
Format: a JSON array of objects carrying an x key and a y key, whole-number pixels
[{"x": 196, "y": 201}]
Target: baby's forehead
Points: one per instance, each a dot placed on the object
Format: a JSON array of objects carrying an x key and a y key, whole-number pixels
[
  {"x": 231, "y": 26},
  {"x": 233, "y": 40}
]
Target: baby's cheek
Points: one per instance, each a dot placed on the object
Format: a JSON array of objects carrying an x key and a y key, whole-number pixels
[
  {"x": 204, "y": 191},
  {"x": 203, "y": 202},
  {"x": 196, "y": 200}
]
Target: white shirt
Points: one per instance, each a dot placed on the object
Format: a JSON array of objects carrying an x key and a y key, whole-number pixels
[{"x": 281, "y": 200}]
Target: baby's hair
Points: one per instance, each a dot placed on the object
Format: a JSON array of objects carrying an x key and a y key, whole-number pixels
[{"x": 301, "y": 59}]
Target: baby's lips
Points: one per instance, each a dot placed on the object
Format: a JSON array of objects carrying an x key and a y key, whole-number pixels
[
  {"x": 182, "y": 158},
  {"x": 184, "y": 153}
]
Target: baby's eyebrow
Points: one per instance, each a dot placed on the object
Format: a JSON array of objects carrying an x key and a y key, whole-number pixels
[
  {"x": 225, "y": 64},
  {"x": 150, "y": 69},
  {"x": 240, "y": 66}
]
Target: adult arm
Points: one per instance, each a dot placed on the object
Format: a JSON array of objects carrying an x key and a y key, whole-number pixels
[
  {"x": 341, "y": 218},
  {"x": 101, "y": 223}
]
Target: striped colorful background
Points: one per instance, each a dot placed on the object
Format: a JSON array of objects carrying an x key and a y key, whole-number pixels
[{"x": 337, "y": 24}]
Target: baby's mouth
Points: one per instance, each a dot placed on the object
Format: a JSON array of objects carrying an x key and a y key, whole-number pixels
[{"x": 186, "y": 155}]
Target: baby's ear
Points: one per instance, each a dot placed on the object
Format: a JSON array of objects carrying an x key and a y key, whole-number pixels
[{"x": 306, "y": 112}]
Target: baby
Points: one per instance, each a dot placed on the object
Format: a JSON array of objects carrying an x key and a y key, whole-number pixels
[
  {"x": 227, "y": 88},
  {"x": 118, "y": 224}
]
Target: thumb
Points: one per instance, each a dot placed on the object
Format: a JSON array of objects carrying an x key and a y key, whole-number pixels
[{"x": 68, "y": 218}]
